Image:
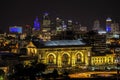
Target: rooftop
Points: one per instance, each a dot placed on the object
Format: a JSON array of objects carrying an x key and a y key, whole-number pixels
[{"x": 64, "y": 43}]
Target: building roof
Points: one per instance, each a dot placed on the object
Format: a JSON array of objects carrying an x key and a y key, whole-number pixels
[{"x": 64, "y": 43}]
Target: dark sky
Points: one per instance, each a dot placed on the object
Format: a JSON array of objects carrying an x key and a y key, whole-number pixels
[{"x": 21, "y": 12}]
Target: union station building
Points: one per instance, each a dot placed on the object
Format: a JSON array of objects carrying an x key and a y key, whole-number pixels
[{"x": 69, "y": 53}]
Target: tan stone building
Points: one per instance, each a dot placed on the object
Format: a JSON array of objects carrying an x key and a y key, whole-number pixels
[
  {"x": 69, "y": 53},
  {"x": 62, "y": 53}
]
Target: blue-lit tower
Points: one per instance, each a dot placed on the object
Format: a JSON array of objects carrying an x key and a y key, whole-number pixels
[
  {"x": 108, "y": 24},
  {"x": 36, "y": 24}
]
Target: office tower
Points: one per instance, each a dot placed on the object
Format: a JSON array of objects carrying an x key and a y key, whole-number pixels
[
  {"x": 46, "y": 22},
  {"x": 99, "y": 45},
  {"x": 58, "y": 24},
  {"x": 96, "y": 25},
  {"x": 108, "y": 24},
  {"x": 36, "y": 24},
  {"x": 64, "y": 26},
  {"x": 46, "y": 27},
  {"x": 115, "y": 28},
  {"x": 69, "y": 25}
]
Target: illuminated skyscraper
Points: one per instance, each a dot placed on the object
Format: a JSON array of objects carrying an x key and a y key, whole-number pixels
[
  {"x": 46, "y": 27},
  {"x": 46, "y": 20},
  {"x": 36, "y": 24},
  {"x": 108, "y": 24}
]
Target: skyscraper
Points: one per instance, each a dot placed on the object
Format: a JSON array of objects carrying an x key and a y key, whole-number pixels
[
  {"x": 108, "y": 24},
  {"x": 46, "y": 27},
  {"x": 69, "y": 24},
  {"x": 46, "y": 20},
  {"x": 58, "y": 24},
  {"x": 96, "y": 25},
  {"x": 36, "y": 24},
  {"x": 115, "y": 28}
]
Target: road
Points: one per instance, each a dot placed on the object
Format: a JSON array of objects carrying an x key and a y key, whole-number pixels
[{"x": 91, "y": 74}]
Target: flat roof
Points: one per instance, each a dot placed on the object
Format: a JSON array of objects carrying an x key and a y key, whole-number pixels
[{"x": 64, "y": 43}]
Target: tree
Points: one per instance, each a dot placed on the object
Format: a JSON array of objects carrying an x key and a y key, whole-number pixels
[
  {"x": 23, "y": 51},
  {"x": 36, "y": 68},
  {"x": 19, "y": 71},
  {"x": 2, "y": 73},
  {"x": 55, "y": 73}
]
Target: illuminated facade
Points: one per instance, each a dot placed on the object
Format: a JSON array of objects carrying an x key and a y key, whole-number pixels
[
  {"x": 31, "y": 49},
  {"x": 74, "y": 54},
  {"x": 56, "y": 54},
  {"x": 103, "y": 60},
  {"x": 65, "y": 57}
]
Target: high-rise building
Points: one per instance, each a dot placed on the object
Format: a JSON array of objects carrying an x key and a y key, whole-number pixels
[
  {"x": 36, "y": 24},
  {"x": 46, "y": 22},
  {"x": 99, "y": 45},
  {"x": 96, "y": 25},
  {"x": 64, "y": 26},
  {"x": 58, "y": 24},
  {"x": 115, "y": 28},
  {"x": 108, "y": 24},
  {"x": 46, "y": 27},
  {"x": 69, "y": 24}
]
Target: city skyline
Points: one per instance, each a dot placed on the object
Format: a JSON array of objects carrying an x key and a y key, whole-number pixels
[{"x": 86, "y": 12}]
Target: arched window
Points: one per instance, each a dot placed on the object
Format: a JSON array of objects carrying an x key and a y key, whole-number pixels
[
  {"x": 51, "y": 59},
  {"x": 78, "y": 58},
  {"x": 65, "y": 59}
]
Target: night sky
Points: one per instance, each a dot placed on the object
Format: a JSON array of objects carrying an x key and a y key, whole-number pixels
[{"x": 21, "y": 12}]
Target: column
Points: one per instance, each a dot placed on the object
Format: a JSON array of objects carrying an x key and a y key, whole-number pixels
[
  {"x": 59, "y": 60},
  {"x": 73, "y": 60}
]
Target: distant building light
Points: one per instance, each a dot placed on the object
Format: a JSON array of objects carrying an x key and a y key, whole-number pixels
[
  {"x": 57, "y": 18},
  {"x": 15, "y": 29},
  {"x": 46, "y": 14},
  {"x": 116, "y": 36},
  {"x": 70, "y": 21},
  {"x": 108, "y": 19},
  {"x": 101, "y": 32},
  {"x": 108, "y": 29}
]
